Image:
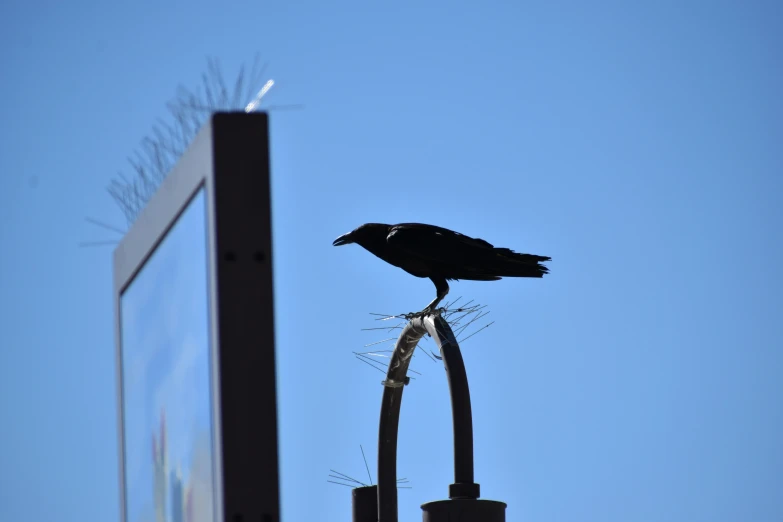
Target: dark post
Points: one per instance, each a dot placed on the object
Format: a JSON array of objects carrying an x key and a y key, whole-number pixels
[
  {"x": 365, "y": 504},
  {"x": 245, "y": 315}
]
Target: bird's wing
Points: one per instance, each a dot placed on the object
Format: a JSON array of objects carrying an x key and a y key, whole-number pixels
[
  {"x": 457, "y": 256},
  {"x": 432, "y": 242},
  {"x": 443, "y": 251}
]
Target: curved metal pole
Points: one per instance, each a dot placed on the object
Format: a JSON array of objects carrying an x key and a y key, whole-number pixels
[
  {"x": 462, "y": 417},
  {"x": 396, "y": 378},
  {"x": 461, "y": 413}
]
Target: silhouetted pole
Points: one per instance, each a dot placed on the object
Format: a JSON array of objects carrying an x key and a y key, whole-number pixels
[
  {"x": 463, "y": 503},
  {"x": 396, "y": 379},
  {"x": 461, "y": 413},
  {"x": 364, "y": 504}
]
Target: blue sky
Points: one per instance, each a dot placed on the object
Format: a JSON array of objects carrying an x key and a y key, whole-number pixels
[{"x": 638, "y": 145}]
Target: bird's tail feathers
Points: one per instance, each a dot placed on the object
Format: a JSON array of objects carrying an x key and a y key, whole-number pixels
[{"x": 508, "y": 263}]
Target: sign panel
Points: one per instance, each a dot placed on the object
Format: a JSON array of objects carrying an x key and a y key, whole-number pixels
[{"x": 195, "y": 337}]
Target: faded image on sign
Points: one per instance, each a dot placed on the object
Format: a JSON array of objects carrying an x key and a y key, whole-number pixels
[{"x": 166, "y": 376}]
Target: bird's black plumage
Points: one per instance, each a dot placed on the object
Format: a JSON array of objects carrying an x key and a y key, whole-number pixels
[{"x": 442, "y": 254}]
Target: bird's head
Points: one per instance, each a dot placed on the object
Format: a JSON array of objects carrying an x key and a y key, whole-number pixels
[{"x": 364, "y": 235}]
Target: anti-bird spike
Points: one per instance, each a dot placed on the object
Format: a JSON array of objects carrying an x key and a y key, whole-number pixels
[{"x": 257, "y": 100}]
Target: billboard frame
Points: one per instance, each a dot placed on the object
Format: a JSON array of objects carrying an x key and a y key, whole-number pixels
[{"x": 229, "y": 158}]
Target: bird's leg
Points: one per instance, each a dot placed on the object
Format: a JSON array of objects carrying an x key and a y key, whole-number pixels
[{"x": 442, "y": 288}]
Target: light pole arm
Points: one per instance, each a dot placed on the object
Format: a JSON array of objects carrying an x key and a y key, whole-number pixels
[
  {"x": 396, "y": 379},
  {"x": 461, "y": 413}
]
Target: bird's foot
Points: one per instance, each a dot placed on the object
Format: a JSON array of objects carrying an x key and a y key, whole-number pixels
[{"x": 427, "y": 311}]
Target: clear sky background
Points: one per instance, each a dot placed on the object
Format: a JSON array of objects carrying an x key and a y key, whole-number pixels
[{"x": 638, "y": 144}]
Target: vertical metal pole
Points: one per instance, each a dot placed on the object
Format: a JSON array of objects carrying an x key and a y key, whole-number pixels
[
  {"x": 364, "y": 504},
  {"x": 244, "y": 331}
]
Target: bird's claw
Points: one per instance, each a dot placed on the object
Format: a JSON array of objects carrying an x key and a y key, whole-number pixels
[{"x": 427, "y": 311}]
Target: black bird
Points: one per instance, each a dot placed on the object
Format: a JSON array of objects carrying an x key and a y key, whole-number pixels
[{"x": 442, "y": 255}]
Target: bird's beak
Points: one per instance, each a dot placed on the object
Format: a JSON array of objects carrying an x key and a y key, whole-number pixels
[{"x": 345, "y": 239}]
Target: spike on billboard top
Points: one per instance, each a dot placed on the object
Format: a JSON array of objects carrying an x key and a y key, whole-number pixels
[{"x": 257, "y": 100}]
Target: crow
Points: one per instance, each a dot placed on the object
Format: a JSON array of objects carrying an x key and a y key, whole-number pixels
[{"x": 442, "y": 255}]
